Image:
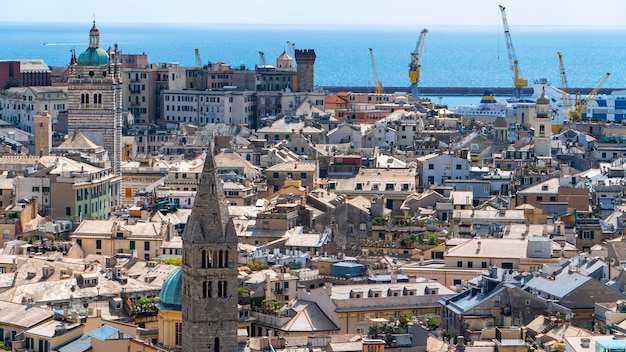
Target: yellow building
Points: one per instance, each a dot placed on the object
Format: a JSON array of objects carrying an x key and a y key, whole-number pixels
[
  {"x": 142, "y": 240},
  {"x": 49, "y": 335}
]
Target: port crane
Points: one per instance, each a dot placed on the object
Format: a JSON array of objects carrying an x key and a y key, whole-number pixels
[
  {"x": 581, "y": 105},
  {"x": 415, "y": 66},
  {"x": 198, "y": 61},
  {"x": 518, "y": 79},
  {"x": 378, "y": 85},
  {"x": 262, "y": 58},
  {"x": 567, "y": 98}
]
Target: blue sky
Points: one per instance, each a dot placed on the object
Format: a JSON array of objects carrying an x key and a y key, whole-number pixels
[{"x": 351, "y": 12}]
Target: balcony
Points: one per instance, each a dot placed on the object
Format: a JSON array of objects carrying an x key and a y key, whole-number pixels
[{"x": 270, "y": 320}]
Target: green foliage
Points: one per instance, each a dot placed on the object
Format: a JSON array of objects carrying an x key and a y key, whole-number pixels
[
  {"x": 256, "y": 266},
  {"x": 379, "y": 220},
  {"x": 145, "y": 305},
  {"x": 432, "y": 322},
  {"x": 432, "y": 238},
  {"x": 405, "y": 319},
  {"x": 173, "y": 261},
  {"x": 446, "y": 335}
]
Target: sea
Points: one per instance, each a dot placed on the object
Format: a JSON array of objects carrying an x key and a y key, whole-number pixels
[{"x": 454, "y": 56}]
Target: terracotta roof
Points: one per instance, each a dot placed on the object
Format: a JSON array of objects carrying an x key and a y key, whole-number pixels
[{"x": 334, "y": 99}]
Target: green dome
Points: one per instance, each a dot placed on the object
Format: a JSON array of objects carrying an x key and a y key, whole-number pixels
[
  {"x": 171, "y": 296},
  {"x": 93, "y": 57}
]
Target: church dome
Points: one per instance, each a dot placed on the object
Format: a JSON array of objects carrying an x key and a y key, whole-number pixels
[
  {"x": 93, "y": 57},
  {"x": 500, "y": 122},
  {"x": 171, "y": 296}
]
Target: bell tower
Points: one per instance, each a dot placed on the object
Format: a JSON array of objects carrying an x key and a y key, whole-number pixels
[
  {"x": 209, "y": 303},
  {"x": 543, "y": 126}
]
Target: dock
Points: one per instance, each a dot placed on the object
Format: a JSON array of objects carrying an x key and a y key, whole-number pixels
[{"x": 455, "y": 91}]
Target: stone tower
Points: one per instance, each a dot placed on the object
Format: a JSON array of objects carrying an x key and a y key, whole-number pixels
[
  {"x": 43, "y": 133},
  {"x": 95, "y": 98},
  {"x": 305, "y": 64},
  {"x": 209, "y": 303},
  {"x": 543, "y": 126}
]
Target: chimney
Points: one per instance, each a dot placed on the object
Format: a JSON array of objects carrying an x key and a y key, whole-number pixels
[
  {"x": 584, "y": 342},
  {"x": 460, "y": 344}
]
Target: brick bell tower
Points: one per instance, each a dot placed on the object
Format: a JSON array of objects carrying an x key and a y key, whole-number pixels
[{"x": 209, "y": 302}]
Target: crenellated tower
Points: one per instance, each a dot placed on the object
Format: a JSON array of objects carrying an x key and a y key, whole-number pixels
[{"x": 305, "y": 61}]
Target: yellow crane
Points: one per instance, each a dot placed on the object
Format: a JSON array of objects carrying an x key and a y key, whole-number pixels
[
  {"x": 518, "y": 79},
  {"x": 198, "y": 61},
  {"x": 415, "y": 66},
  {"x": 581, "y": 105},
  {"x": 567, "y": 98},
  {"x": 378, "y": 85}
]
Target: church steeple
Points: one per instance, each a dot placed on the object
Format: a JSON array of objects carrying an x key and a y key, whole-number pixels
[
  {"x": 209, "y": 303},
  {"x": 209, "y": 217}
]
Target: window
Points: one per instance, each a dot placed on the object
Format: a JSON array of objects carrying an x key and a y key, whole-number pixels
[
  {"x": 359, "y": 186},
  {"x": 5, "y": 234},
  {"x": 178, "y": 335},
  {"x": 303, "y": 175},
  {"x": 483, "y": 265},
  {"x": 539, "y": 198},
  {"x": 98, "y": 244},
  {"x": 470, "y": 264},
  {"x": 456, "y": 282},
  {"x": 132, "y": 245},
  {"x": 587, "y": 235},
  {"x": 431, "y": 166},
  {"x": 448, "y": 166},
  {"x": 459, "y": 264},
  {"x": 459, "y": 166},
  {"x": 146, "y": 246},
  {"x": 275, "y": 175}
]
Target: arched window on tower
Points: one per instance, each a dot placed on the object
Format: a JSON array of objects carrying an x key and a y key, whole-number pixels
[
  {"x": 212, "y": 188},
  {"x": 226, "y": 259},
  {"x": 542, "y": 130},
  {"x": 221, "y": 259},
  {"x": 216, "y": 345},
  {"x": 204, "y": 261}
]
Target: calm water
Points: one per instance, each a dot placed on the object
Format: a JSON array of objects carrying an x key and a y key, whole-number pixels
[{"x": 463, "y": 56}]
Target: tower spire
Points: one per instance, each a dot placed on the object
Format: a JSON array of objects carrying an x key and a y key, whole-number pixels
[{"x": 209, "y": 217}]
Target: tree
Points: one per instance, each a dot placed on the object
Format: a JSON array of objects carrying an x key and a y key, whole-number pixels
[
  {"x": 12, "y": 82},
  {"x": 405, "y": 319}
]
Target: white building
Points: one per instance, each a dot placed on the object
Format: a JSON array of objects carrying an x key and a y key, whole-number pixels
[{"x": 435, "y": 168}]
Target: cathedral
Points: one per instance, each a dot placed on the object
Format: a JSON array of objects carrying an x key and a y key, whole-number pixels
[
  {"x": 94, "y": 97},
  {"x": 94, "y": 94},
  {"x": 209, "y": 270}
]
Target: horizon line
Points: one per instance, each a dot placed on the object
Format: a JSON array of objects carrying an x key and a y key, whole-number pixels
[{"x": 359, "y": 25}]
